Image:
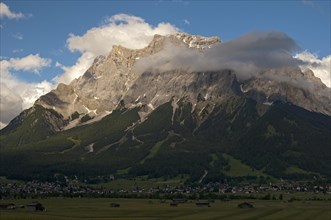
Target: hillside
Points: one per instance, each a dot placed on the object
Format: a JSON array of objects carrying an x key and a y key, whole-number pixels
[
  {"x": 208, "y": 126},
  {"x": 271, "y": 139}
]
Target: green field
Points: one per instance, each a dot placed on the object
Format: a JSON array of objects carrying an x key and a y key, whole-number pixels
[{"x": 144, "y": 209}]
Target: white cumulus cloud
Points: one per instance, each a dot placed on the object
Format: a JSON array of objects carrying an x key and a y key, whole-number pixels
[
  {"x": 121, "y": 29},
  {"x": 6, "y": 12},
  {"x": 320, "y": 67},
  {"x": 18, "y": 36},
  {"x": 18, "y": 50},
  {"x": 10, "y": 104},
  {"x": 32, "y": 62},
  {"x": 187, "y": 22},
  {"x": 15, "y": 94},
  {"x": 76, "y": 70}
]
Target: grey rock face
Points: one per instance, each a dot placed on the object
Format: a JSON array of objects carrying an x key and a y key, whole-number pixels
[
  {"x": 112, "y": 80},
  {"x": 159, "y": 88},
  {"x": 304, "y": 90}
]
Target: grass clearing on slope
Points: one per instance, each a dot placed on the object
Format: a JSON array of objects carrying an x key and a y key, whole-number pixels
[
  {"x": 295, "y": 169},
  {"x": 237, "y": 168},
  {"x": 152, "y": 151}
]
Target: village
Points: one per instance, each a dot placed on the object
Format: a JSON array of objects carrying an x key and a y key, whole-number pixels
[
  {"x": 27, "y": 199},
  {"x": 35, "y": 189}
]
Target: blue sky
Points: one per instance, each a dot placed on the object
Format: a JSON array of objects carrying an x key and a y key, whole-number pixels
[
  {"x": 48, "y": 23},
  {"x": 34, "y": 34}
]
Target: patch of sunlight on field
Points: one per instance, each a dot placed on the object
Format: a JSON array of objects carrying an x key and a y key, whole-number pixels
[{"x": 145, "y": 209}]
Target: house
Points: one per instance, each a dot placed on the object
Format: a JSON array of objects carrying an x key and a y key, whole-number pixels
[
  {"x": 226, "y": 199},
  {"x": 202, "y": 203},
  {"x": 115, "y": 205},
  {"x": 291, "y": 199},
  {"x": 174, "y": 204},
  {"x": 7, "y": 206},
  {"x": 35, "y": 206},
  {"x": 245, "y": 205},
  {"x": 179, "y": 200}
]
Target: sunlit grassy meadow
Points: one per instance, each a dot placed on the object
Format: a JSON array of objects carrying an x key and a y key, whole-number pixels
[{"x": 83, "y": 208}]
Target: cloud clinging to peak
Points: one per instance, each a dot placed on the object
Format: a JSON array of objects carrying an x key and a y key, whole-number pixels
[
  {"x": 320, "y": 67},
  {"x": 250, "y": 56},
  {"x": 245, "y": 55}
]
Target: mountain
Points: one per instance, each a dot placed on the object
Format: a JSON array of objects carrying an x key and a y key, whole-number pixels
[{"x": 117, "y": 120}]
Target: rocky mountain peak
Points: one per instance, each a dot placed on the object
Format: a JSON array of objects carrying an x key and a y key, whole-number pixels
[
  {"x": 117, "y": 74},
  {"x": 112, "y": 80}
]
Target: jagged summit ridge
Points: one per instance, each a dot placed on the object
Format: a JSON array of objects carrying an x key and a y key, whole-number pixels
[{"x": 196, "y": 41}]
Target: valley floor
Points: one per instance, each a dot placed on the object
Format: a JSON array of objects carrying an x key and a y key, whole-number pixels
[{"x": 145, "y": 209}]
